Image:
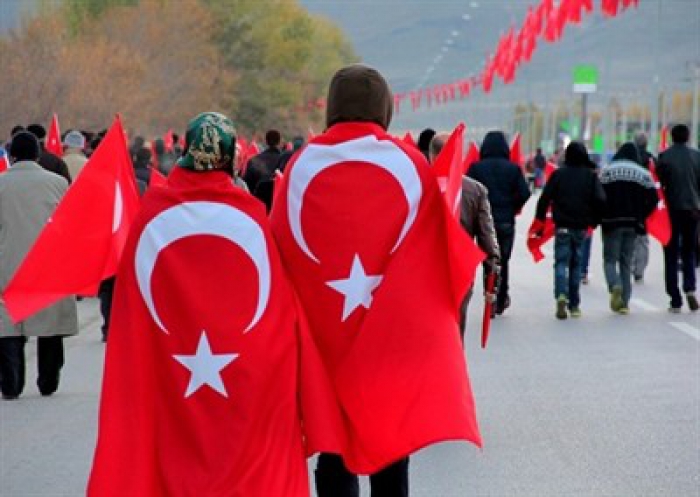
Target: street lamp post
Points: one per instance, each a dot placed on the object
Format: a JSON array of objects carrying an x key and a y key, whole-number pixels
[{"x": 696, "y": 91}]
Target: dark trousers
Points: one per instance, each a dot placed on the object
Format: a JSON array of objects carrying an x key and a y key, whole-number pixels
[
  {"x": 684, "y": 235},
  {"x": 105, "y": 293},
  {"x": 505, "y": 233},
  {"x": 50, "y": 359},
  {"x": 334, "y": 480}
]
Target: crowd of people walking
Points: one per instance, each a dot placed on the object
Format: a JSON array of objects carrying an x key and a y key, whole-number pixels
[{"x": 350, "y": 277}]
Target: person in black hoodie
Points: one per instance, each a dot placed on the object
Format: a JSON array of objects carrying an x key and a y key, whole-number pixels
[
  {"x": 630, "y": 199},
  {"x": 577, "y": 199},
  {"x": 508, "y": 192}
]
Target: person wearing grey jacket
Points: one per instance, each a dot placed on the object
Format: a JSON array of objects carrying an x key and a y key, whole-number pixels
[
  {"x": 679, "y": 174},
  {"x": 28, "y": 196},
  {"x": 476, "y": 219}
]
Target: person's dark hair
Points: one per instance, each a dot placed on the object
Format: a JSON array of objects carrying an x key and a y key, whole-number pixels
[
  {"x": 24, "y": 146},
  {"x": 273, "y": 138},
  {"x": 359, "y": 93},
  {"x": 680, "y": 133},
  {"x": 424, "y": 139},
  {"x": 37, "y": 130},
  {"x": 16, "y": 129},
  {"x": 176, "y": 138},
  {"x": 628, "y": 151}
]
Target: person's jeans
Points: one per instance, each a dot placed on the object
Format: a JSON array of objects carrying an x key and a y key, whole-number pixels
[
  {"x": 568, "y": 247},
  {"x": 618, "y": 250},
  {"x": 640, "y": 259},
  {"x": 334, "y": 480},
  {"x": 586, "y": 253},
  {"x": 684, "y": 235}
]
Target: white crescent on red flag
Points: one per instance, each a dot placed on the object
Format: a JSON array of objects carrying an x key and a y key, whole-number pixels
[
  {"x": 87, "y": 233},
  {"x": 379, "y": 265},
  {"x": 207, "y": 354}
]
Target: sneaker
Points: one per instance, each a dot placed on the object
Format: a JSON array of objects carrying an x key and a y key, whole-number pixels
[
  {"x": 692, "y": 301},
  {"x": 624, "y": 310},
  {"x": 561, "y": 307},
  {"x": 575, "y": 312},
  {"x": 616, "y": 302}
]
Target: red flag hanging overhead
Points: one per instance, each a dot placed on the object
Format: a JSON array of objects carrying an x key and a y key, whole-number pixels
[
  {"x": 610, "y": 7},
  {"x": 659, "y": 222},
  {"x": 361, "y": 281},
  {"x": 86, "y": 234},
  {"x": 53, "y": 139},
  {"x": 207, "y": 354}
]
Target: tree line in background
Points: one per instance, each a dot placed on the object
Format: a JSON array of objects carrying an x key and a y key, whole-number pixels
[{"x": 160, "y": 62}]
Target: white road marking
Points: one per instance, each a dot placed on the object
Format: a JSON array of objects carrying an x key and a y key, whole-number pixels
[
  {"x": 644, "y": 305},
  {"x": 689, "y": 330}
]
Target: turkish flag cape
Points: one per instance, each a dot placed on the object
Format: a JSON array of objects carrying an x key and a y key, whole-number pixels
[
  {"x": 53, "y": 139},
  {"x": 206, "y": 356},
  {"x": 381, "y": 281},
  {"x": 86, "y": 233},
  {"x": 658, "y": 223}
]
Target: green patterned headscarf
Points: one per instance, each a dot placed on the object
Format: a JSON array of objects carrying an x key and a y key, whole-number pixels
[{"x": 210, "y": 143}]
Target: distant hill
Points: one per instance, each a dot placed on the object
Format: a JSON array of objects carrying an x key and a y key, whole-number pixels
[{"x": 402, "y": 38}]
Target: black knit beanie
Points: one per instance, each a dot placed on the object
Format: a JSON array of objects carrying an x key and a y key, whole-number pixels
[{"x": 24, "y": 146}]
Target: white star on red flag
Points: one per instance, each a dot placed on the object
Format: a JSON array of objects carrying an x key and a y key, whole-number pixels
[
  {"x": 205, "y": 367},
  {"x": 357, "y": 288}
]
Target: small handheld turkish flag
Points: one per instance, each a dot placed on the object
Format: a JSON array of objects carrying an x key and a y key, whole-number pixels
[
  {"x": 87, "y": 233},
  {"x": 206, "y": 355},
  {"x": 53, "y": 139},
  {"x": 383, "y": 317}
]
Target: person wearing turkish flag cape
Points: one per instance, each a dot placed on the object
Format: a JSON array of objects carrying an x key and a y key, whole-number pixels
[
  {"x": 207, "y": 352},
  {"x": 381, "y": 280}
]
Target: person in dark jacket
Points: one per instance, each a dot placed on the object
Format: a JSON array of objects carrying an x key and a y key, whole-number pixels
[
  {"x": 630, "y": 199},
  {"x": 297, "y": 143},
  {"x": 47, "y": 160},
  {"x": 577, "y": 199},
  {"x": 508, "y": 192},
  {"x": 679, "y": 174},
  {"x": 475, "y": 217},
  {"x": 260, "y": 171}
]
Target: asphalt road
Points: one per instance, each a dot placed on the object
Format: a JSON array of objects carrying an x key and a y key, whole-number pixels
[{"x": 604, "y": 405}]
